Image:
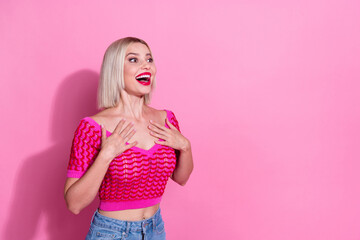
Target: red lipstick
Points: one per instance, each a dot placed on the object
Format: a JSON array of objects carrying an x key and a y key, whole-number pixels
[{"x": 144, "y": 78}]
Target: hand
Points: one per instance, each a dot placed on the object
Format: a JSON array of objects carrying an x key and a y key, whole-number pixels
[
  {"x": 173, "y": 138},
  {"x": 115, "y": 144}
]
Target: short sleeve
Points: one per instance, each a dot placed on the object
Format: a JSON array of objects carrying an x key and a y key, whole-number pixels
[
  {"x": 84, "y": 149},
  {"x": 172, "y": 119}
]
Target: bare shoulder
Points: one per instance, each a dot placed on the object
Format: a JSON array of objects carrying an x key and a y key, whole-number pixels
[
  {"x": 157, "y": 113},
  {"x": 102, "y": 117}
]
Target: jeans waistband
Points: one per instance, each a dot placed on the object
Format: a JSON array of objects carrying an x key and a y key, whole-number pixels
[{"x": 121, "y": 225}]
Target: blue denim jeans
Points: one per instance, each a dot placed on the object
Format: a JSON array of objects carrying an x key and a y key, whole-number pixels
[{"x": 109, "y": 228}]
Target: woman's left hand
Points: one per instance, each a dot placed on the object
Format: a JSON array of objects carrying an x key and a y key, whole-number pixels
[{"x": 173, "y": 138}]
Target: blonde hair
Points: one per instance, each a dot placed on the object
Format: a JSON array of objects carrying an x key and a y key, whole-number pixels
[{"x": 112, "y": 73}]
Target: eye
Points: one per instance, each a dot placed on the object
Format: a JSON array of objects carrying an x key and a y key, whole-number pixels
[
  {"x": 150, "y": 60},
  {"x": 132, "y": 60}
]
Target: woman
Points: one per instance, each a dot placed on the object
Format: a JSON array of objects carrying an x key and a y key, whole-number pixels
[{"x": 127, "y": 151}]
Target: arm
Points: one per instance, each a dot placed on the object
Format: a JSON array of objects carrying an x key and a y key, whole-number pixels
[
  {"x": 79, "y": 193},
  {"x": 184, "y": 165}
]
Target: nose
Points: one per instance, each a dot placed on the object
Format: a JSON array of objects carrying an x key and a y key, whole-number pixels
[{"x": 146, "y": 65}]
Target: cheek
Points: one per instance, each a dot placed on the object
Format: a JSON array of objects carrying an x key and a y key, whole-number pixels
[{"x": 129, "y": 71}]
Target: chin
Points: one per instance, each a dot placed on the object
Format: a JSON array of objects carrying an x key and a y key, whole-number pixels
[{"x": 143, "y": 93}]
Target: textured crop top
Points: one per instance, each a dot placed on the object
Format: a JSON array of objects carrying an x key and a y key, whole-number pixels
[{"x": 135, "y": 179}]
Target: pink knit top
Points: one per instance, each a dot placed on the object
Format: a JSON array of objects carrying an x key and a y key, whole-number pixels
[{"x": 135, "y": 179}]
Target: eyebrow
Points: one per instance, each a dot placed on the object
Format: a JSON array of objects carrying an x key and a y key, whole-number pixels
[{"x": 148, "y": 54}]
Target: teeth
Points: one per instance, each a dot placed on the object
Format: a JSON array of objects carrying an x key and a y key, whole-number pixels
[{"x": 142, "y": 76}]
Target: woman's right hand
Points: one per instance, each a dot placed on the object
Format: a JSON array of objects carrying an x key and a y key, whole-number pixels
[{"x": 115, "y": 144}]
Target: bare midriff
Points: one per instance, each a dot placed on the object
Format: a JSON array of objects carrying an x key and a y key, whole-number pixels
[{"x": 132, "y": 214}]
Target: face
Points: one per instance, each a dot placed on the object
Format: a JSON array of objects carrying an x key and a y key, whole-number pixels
[{"x": 139, "y": 69}]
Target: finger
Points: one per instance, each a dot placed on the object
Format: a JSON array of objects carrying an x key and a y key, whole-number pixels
[
  {"x": 103, "y": 133},
  {"x": 130, "y": 145},
  {"x": 119, "y": 126},
  {"x": 164, "y": 143},
  {"x": 158, "y": 125},
  {"x": 130, "y": 134},
  {"x": 125, "y": 131},
  {"x": 158, "y": 135},
  {"x": 170, "y": 124},
  {"x": 157, "y": 130}
]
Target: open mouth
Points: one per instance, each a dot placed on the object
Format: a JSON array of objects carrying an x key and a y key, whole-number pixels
[{"x": 144, "y": 78}]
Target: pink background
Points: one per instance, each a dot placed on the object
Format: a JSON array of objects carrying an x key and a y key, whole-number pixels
[{"x": 267, "y": 92}]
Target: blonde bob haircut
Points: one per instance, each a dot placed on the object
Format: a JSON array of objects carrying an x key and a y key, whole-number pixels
[{"x": 112, "y": 73}]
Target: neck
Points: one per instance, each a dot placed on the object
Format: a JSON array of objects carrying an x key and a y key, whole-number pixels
[{"x": 131, "y": 106}]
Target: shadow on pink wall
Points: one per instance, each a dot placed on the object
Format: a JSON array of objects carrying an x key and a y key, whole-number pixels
[{"x": 38, "y": 197}]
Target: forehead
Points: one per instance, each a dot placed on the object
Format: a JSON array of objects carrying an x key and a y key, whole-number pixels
[{"x": 137, "y": 47}]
